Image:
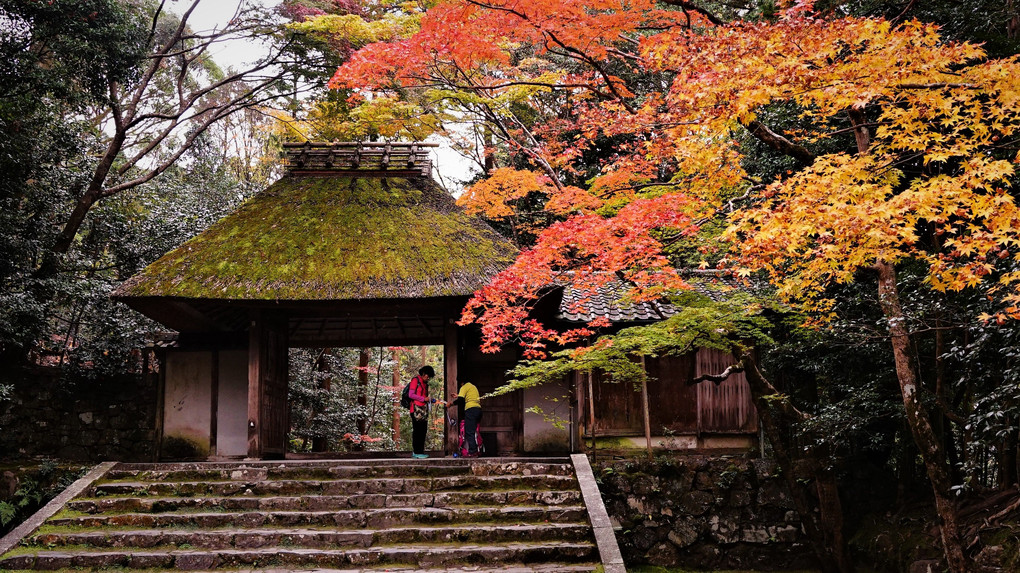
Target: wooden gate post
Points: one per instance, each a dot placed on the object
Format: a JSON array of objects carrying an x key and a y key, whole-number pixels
[
  {"x": 450, "y": 375},
  {"x": 267, "y": 386}
]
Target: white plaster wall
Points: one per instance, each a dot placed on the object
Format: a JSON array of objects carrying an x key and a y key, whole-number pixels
[
  {"x": 540, "y": 431},
  {"x": 232, "y": 404},
  {"x": 187, "y": 410}
]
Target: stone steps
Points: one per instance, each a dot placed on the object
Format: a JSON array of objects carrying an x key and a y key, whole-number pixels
[
  {"x": 425, "y": 556},
  {"x": 332, "y": 487},
  {"x": 311, "y": 538},
  {"x": 372, "y": 518},
  {"x": 294, "y": 503},
  {"x": 404, "y": 469},
  {"x": 386, "y": 568},
  {"x": 393, "y": 515}
]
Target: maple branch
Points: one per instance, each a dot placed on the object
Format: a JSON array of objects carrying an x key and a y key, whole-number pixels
[
  {"x": 510, "y": 84},
  {"x": 934, "y": 86},
  {"x": 625, "y": 55},
  {"x": 778, "y": 142},
  {"x": 747, "y": 194},
  {"x": 685, "y": 5},
  {"x": 902, "y": 16},
  {"x": 598, "y": 68},
  {"x": 861, "y": 133},
  {"x": 848, "y": 129},
  {"x": 761, "y": 387},
  {"x": 629, "y": 40},
  {"x": 716, "y": 379},
  {"x": 570, "y": 51}
]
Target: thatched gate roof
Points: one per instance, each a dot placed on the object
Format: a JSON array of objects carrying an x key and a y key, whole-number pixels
[{"x": 321, "y": 234}]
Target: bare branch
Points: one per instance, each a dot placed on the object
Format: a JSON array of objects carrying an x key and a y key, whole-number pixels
[
  {"x": 934, "y": 86},
  {"x": 695, "y": 8},
  {"x": 717, "y": 379},
  {"x": 144, "y": 116},
  {"x": 778, "y": 142}
]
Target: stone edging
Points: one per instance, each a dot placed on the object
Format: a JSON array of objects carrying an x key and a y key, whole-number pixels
[
  {"x": 605, "y": 537},
  {"x": 12, "y": 539}
]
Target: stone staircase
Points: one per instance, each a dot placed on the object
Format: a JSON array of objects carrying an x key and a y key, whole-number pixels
[{"x": 440, "y": 514}]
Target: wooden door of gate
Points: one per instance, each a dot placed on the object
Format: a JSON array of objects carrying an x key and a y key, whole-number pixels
[
  {"x": 267, "y": 388},
  {"x": 501, "y": 415}
]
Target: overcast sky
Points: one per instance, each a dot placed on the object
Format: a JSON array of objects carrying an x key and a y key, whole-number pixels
[{"x": 216, "y": 13}]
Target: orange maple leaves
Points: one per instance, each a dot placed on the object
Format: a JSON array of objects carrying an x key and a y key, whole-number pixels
[
  {"x": 587, "y": 251},
  {"x": 927, "y": 180}
]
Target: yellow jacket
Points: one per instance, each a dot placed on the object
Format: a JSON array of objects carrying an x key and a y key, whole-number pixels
[{"x": 469, "y": 392}]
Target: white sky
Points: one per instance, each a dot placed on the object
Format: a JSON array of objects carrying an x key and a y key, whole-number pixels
[
  {"x": 216, "y": 13},
  {"x": 211, "y": 14}
]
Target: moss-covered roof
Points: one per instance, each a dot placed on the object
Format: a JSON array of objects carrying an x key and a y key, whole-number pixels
[{"x": 333, "y": 238}]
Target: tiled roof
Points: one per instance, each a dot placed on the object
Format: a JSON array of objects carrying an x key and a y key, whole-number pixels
[{"x": 580, "y": 306}]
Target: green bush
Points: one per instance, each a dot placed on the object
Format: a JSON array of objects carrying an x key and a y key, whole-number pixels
[{"x": 36, "y": 487}]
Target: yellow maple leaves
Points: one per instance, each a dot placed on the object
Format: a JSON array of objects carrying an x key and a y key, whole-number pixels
[{"x": 494, "y": 196}]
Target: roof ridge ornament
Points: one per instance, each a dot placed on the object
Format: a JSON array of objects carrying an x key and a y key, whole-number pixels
[{"x": 361, "y": 158}]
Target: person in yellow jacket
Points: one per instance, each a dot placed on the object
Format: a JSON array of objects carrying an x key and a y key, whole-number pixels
[{"x": 468, "y": 398}]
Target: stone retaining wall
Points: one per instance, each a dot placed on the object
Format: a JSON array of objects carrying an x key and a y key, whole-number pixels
[
  {"x": 704, "y": 513},
  {"x": 111, "y": 419}
]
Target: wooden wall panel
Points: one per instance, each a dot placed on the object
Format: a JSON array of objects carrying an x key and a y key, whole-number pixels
[
  {"x": 673, "y": 404},
  {"x": 617, "y": 407},
  {"x": 500, "y": 414},
  {"x": 675, "y": 407},
  {"x": 727, "y": 407}
]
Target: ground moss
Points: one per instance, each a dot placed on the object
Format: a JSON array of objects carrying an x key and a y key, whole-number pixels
[
  {"x": 185, "y": 447},
  {"x": 1008, "y": 537},
  {"x": 654, "y": 569}
]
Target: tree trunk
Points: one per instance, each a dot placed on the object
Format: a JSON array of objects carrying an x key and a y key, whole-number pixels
[
  {"x": 321, "y": 443},
  {"x": 825, "y": 529},
  {"x": 918, "y": 419},
  {"x": 95, "y": 189},
  {"x": 1008, "y": 460},
  {"x": 363, "y": 359},
  {"x": 396, "y": 403}
]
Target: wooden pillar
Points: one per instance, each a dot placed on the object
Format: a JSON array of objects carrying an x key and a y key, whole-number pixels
[
  {"x": 364, "y": 357},
  {"x": 577, "y": 415},
  {"x": 214, "y": 402},
  {"x": 644, "y": 407},
  {"x": 450, "y": 374},
  {"x": 591, "y": 410},
  {"x": 160, "y": 355},
  {"x": 396, "y": 402},
  {"x": 267, "y": 386}
]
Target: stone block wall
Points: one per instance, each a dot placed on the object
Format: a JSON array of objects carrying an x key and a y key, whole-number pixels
[
  {"x": 704, "y": 513},
  {"x": 110, "y": 419}
]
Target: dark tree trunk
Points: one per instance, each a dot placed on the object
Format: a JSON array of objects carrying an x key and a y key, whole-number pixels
[
  {"x": 1008, "y": 460},
  {"x": 824, "y": 527},
  {"x": 321, "y": 443},
  {"x": 363, "y": 359},
  {"x": 918, "y": 419},
  {"x": 396, "y": 405}
]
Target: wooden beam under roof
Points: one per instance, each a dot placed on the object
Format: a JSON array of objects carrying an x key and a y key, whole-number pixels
[{"x": 362, "y": 158}]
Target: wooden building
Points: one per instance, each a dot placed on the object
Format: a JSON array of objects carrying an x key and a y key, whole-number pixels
[
  {"x": 705, "y": 416},
  {"x": 355, "y": 246}
]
